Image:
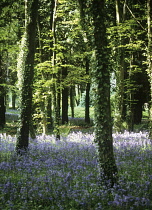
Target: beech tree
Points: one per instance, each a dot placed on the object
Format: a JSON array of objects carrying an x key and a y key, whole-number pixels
[{"x": 27, "y": 72}]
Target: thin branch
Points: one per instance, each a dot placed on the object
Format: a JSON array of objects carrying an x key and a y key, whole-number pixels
[{"x": 135, "y": 17}]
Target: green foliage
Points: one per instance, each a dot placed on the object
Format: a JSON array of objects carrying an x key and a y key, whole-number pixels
[
  {"x": 127, "y": 41},
  {"x": 74, "y": 43},
  {"x": 11, "y": 19}
]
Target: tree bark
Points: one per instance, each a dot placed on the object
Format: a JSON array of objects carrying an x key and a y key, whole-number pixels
[
  {"x": 65, "y": 94},
  {"x": 49, "y": 113},
  {"x": 149, "y": 59},
  {"x": 87, "y": 97},
  {"x": 120, "y": 72},
  {"x": 2, "y": 96},
  {"x": 27, "y": 73},
  {"x": 103, "y": 122},
  {"x": 72, "y": 95},
  {"x": 14, "y": 99},
  {"x": 55, "y": 77}
]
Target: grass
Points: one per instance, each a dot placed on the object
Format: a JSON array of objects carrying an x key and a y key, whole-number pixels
[
  {"x": 79, "y": 112},
  {"x": 12, "y": 111},
  {"x": 64, "y": 174},
  {"x": 75, "y": 124}
]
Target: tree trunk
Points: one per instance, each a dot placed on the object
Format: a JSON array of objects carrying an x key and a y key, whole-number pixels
[
  {"x": 2, "y": 96},
  {"x": 49, "y": 113},
  {"x": 138, "y": 106},
  {"x": 130, "y": 95},
  {"x": 149, "y": 59},
  {"x": 55, "y": 76},
  {"x": 119, "y": 99},
  {"x": 2, "y": 109},
  {"x": 72, "y": 95},
  {"x": 87, "y": 98},
  {"x": 78, "y": 94},
  {"x": 28, "y": 73},
  {"x": 103, "y": 122},
  {"x": 13, "y": 99},
  {"x": 65, "y": 93}
]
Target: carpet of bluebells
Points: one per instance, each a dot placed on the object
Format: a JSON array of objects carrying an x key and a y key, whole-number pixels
[{"x": 64, "y": 175}]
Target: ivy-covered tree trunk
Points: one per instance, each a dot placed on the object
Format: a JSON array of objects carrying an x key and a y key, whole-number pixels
[
  {"x": 103, "y": 122},
  {"x": 44, "y": 102},
  {"x": 50, "y": 100},
  {"x": 2, "y": 96},
  {"x": 119, "y": 99},
  {"x": 31, "y": 8},
  {"x": 149, "y": 59},
  {"x": 55, "y": 77}
]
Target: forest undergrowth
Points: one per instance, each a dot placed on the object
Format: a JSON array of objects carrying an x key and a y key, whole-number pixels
[{"x": 64, "y": 174}]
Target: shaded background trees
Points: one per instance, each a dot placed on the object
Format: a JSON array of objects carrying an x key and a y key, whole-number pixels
[
  {"x": 128, "y": 44},
  {"x": 10, "y": 28}
]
